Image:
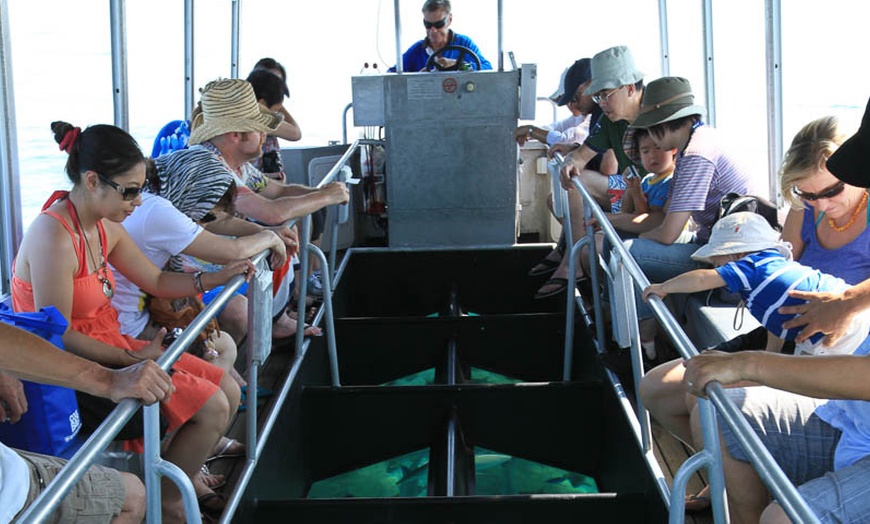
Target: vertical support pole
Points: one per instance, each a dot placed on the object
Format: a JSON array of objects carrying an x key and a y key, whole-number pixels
[
  {"x": 155, "y": 467},
  {"x": 304, "y": 246},
  {"x": 10, "y": 195},
  {"x": 234, "y": 46},
  {"x": 259, "y": 344},
  {"x": 328, "y": 319},
  {"x": 626, "y": 302},
  {"x": 773, "y": 54},
  {"x": 664, "y": 38},
  {"x": 501, "y": 35},
  {"x": 709, "y": 69},
  {"x": 118, "y": 16},
  {"x": 189, "y": 100},
  {"x": 399, "y": 65}
]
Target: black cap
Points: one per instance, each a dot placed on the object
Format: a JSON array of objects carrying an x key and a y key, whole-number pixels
[
  {"x": 851, "y": 161},
  {"x": 579, "y": 73}
]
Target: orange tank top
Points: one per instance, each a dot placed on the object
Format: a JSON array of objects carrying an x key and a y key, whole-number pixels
[{"x": 92, "y": 311}]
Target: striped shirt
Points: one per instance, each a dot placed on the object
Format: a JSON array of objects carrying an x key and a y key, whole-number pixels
[
  {"x": 705, "y": 173},
  {"x": 764, "y": 279}
]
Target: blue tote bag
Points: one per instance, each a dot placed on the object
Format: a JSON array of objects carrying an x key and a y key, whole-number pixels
[{"x": 52, "y": 420}]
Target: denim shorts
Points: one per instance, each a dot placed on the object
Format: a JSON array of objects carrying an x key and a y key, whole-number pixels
[{"x": 803, "y": 445}]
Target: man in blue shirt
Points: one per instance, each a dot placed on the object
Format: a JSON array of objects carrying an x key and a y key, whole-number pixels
[{"x": 437, "y": 19}]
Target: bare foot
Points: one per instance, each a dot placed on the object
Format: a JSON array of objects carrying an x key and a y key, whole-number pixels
[{"x": 286, "y": 327}]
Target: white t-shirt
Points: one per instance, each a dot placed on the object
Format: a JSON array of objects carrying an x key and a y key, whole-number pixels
[
  {"x": 161, "y": 231},
  {"x": 14, "y": 483}
]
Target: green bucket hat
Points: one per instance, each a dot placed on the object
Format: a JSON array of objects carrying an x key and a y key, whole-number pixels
[
  {"x": 612, "y": 68},
  {"x": 667, "y": 99}
]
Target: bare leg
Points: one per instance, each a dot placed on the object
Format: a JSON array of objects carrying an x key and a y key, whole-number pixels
[
  {"x": 596, "y": 184},
  {"x": 664, "y": 395},
  {"x": 190, "y": 447},
  {"x": 133, "y": 510},
  {"x": 774, "y": 514},
  {"x": 234, "y": 318},
  {"x": 747, "y": 494}
]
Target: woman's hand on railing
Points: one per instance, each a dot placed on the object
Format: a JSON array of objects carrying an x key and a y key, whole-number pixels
[
  {"x": 237, "y": 267},
  {"x": 150, "y": 351},
  {"x": 144, "y": 381}
]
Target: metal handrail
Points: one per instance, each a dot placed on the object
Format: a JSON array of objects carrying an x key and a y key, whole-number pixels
[
  {"x": 54, "y": 493},
  {"x": 769, "y": 471}
]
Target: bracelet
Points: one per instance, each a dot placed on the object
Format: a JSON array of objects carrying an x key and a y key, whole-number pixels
[{"x": 197, "y": 281}]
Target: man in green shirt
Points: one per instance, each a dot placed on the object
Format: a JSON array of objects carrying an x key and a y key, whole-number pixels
[{"x": 617, "y": 87}]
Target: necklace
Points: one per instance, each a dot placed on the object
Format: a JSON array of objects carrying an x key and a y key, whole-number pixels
[
  {"x": 101, "y": 270},
  {"x": 840, "y": 229}
]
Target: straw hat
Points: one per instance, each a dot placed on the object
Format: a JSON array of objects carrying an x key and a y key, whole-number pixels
[
  {"x": 742, "y": 232},
  {"x": 612, "y": 68},
  {"x": 851, "y": 161},
  {"x": 667, "y": 99},
  {"x": 230, "y": 106}
]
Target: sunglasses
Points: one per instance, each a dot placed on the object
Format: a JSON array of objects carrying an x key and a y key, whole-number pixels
[
  {"x": 437, "y": 25},
  {"x": 830, "y": 192},
  {"x": 127, "y": 193}
]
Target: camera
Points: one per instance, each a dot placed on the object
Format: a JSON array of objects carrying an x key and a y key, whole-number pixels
[{"x": 171, "y": 335}]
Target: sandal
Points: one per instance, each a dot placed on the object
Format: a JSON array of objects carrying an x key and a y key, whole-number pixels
[
  {"x": 561, "y": 284},
  {"x": 212, "y": 481},
  {"x": 224, "y": 450},
  {"x": 543, "y": 267},
  {"x": 697, "y": 502},
  {"x": 211, "y": 506}
]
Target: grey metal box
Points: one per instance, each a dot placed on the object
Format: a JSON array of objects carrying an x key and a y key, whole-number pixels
[{"x": 451, "y": 158}]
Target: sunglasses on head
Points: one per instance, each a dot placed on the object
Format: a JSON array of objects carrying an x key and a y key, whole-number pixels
[
  {"x": 127, "y": 193},
  {"x": 437, "y": 25},
  {"x": 830, "y": 192}
]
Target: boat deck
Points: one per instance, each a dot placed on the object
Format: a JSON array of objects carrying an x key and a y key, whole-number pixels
[{"x": 669, "y": 452}]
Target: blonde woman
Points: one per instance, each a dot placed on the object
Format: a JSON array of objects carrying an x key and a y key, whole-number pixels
[{"x": 827, "y": 227}]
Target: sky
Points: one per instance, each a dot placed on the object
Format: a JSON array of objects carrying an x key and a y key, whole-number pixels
[{"x": 62, "y": 66}]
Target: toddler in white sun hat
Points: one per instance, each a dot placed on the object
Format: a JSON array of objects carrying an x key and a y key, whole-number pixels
[{"x": 749, "y": 258}]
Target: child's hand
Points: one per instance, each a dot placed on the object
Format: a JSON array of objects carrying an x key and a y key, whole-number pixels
[
  {"x": 654, "y": 289},
  {"x": 632, "y": 182}
]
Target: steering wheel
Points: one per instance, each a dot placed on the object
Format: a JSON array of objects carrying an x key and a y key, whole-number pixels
[{"x": 463, "y": 52}]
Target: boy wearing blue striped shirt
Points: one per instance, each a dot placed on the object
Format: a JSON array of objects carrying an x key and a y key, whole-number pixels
[{"x": 750, "y": 259}]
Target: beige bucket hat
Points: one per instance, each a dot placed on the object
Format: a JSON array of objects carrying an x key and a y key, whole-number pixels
[
  {"x": 667, "y": 99},
  {"x": 741, "y": 232},
  {"x": 612, "y": 68},
  {"x": 230, "y": 106}
]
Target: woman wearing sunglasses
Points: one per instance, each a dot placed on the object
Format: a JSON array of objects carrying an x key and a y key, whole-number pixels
[
  {"x": 827, "y": 228},
  {"x": 64, "y": 262}
]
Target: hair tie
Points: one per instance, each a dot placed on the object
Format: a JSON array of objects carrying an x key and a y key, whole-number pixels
[{"x": 69, "y": 138}]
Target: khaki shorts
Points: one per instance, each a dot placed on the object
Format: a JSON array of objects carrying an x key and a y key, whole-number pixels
[{"x": 97, "y": 497}]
